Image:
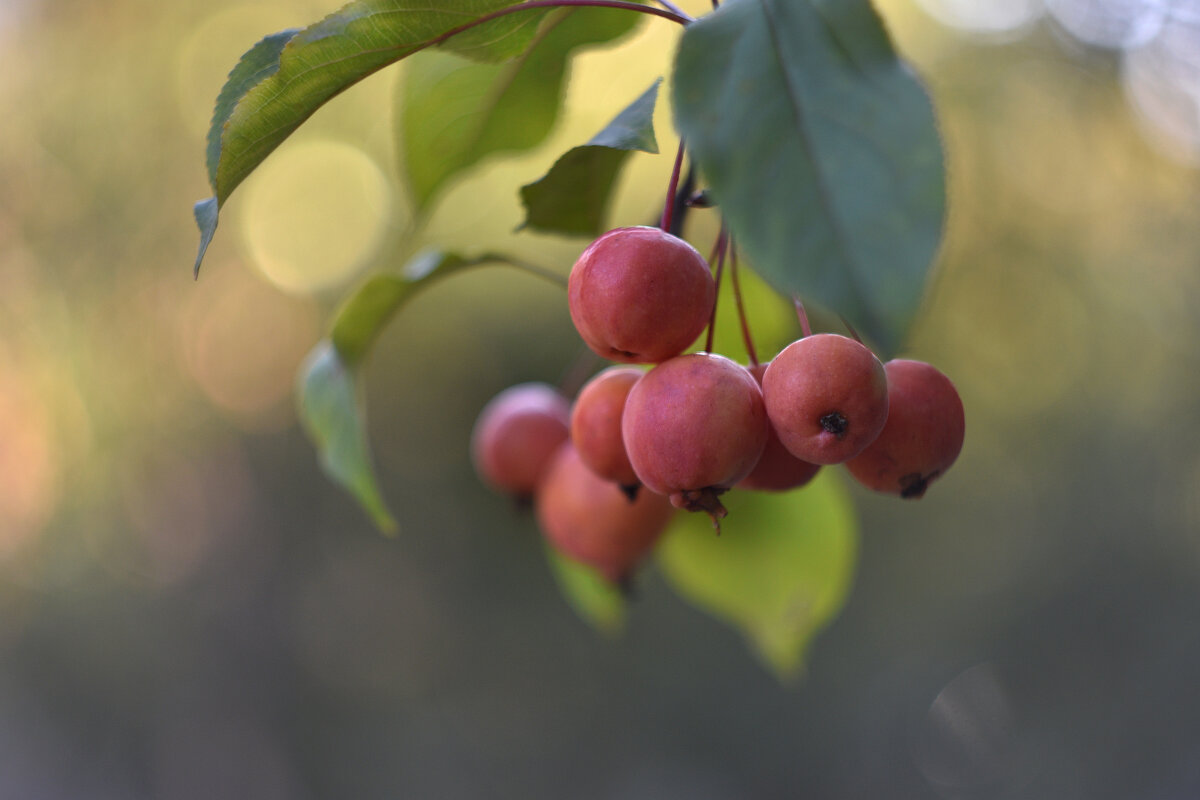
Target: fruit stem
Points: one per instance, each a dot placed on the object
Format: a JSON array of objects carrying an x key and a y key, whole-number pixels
[
  {"x": 802, "y": 315},
  {"x": 719, "y": 248},
  {"x": 741, "y": 308},
  {"x": 577, "y": 374},
  {"x": 681, "y": 208},
  {"x": 850, "y": 328},
  {"x": 672, "y": 188},
  {"x": 674, "y": 9}
]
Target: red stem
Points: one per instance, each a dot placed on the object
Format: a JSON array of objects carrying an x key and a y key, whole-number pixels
[
  {"x": 719, "y": 249},
  {"x": 667, "y": 4},
  {"x": 672, "y": 188},
  {"x": 805, "y": 330},
  {"x": 850, "y": 328},
  {"x": 682, "y": 19},
  {"x": 741, "y": 308}
]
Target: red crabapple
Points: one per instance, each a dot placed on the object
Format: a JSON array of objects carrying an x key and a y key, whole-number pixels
[
  {"x": 517, "y": 434},
  {"x": 923, "y": 435},
  {"x": 592, "y": 521},
  {"x": 693, "y": 427},
  {"x": 777, "y": 470},
  {"x": 640, "y": 295},
  {"x": 596, "y": 425},
  {"x": 827, "y": 397}
]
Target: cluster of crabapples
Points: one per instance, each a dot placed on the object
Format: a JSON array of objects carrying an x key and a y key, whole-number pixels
[{"x": 607, "y": 472}]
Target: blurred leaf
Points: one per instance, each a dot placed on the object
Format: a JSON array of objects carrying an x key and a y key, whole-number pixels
[
  {"x": 331, "y": 410},
  {"x": 779, "y": 571},
  {"x": 333, "y": 416},
  {"x": 573, "y": 196},
  {"x": 367, "y": 311},
  {"x": 821, "y": 148},
  {"x": 285, "y": 78},
  {"x": 593, "y": 597},
  {"x": 456, "y": 113}
]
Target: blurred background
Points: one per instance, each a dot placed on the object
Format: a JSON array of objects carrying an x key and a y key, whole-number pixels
[{"x": 189, "y": 609}]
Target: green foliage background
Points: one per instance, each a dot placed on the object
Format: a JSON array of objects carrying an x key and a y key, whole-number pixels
[{"x": 189, "y": 608}]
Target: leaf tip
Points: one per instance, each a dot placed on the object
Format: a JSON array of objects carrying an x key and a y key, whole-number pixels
[{"x": 206, "y": 213}]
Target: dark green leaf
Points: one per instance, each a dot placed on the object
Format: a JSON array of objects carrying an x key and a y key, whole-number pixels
[
  {"x": 285, "y": 78},
  {"x": 779, "y": 571},
  {"x": 593, "y": 596},
  {"x": 333, "y": 416},
  {"x": 455, "y": 113},
  {"x": 573, "y": 197},
  {"x": 259, "y": 63},
  {"x": 822, "y": 150},
  {"x": 364, "y": 315}
]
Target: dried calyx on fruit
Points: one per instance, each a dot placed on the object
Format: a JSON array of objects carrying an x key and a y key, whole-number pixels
[
  {"x": 923, "y": 435},
  {"x": 693, "y": 427},
  {"x": 827, "y": 397},
  {"x": 777, "y": 469}
]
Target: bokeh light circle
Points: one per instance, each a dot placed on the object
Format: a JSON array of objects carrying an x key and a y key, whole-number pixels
[
  {"x": 1118, "y": 24},
  {"x": 984, "y": 16},
  {"x": 312, "y": 214},
  {"x": 1162, "y": 82}
]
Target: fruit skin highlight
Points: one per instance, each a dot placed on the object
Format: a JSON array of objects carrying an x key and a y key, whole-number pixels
[
  {"x": 596, "y": 424},
  {"x": 517, "y": 434},
  {"x": 827, "y": 397},
  {"x": 592, "y": 521},
  {"x": 640, "y": 295},
  {"x": 693, "y": 427},
  {"x": 923, "y": 435},
  {"x": 777, "y": 469}
]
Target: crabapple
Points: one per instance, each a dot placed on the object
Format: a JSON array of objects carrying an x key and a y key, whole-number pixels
[
  {"x": 596, "y": 425},
  {"x": 590, "y": 520},
  {"x": 640, "y": 295},
  {"x": 693, "y": 427},
  {"x": 777, "y": 469},
  {"x": 923, "y": 435},
  {"x": 827, "y": 397},
  {"x": 516, "y": 435}
]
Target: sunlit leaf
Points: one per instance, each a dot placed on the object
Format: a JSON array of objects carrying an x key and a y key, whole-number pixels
[
  {"x": 332, "y": 414},
  {"x": 593, "y": 597},
  {"x": 454, "y": 113},
  {"x": 285, "y": 78},
  {"x": 821, "y": 148},
  {"x": 573, "y": 197},
  {"x": 779, "y": 571}
]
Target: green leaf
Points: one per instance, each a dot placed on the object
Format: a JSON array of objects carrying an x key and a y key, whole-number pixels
[
  {"x": 259, "y": 63},
  {"x": 573, "y": 197},
  {"x": 332, "y": 414},
  {"x": 823, "y": 151},
  {"x": 594, "y": 598},
  {"x": 364, "y": 315},
  {"x": 331, "y": 410},
  {"x": 285, "y": 78},
  {"x": 455, "y": 113},
  {"x": 779, "y": 570}
]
